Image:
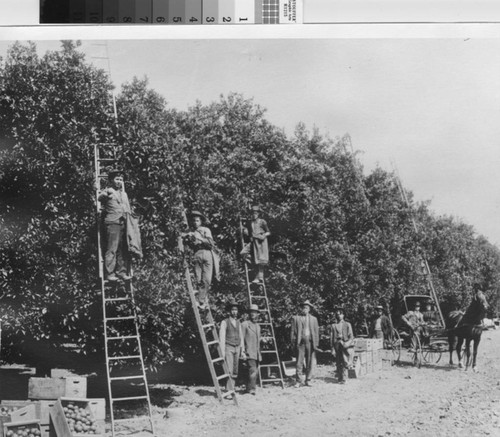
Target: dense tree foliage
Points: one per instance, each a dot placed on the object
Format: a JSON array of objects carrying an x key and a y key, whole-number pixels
[{"x": 338, "y": 235}]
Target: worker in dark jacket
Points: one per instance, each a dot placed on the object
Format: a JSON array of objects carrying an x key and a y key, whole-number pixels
[
  {"x": 342, "y": 344},
  {"x": 231, "y": 342},
  {"x": 116, "y": 206},
  {"x": 381, "y": 326},
  {"x": 251, "y": 347}
]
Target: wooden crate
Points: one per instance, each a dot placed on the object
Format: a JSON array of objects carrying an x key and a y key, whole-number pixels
[
  {"x": 369, "y": 367},
  {"x": 385, "y": 354},
  {"x": 45, "y": 407},
  {"x": 362, "y": 357},
  {"x": 54, "y": 388},
  {"x": 14, "y": 407},
  {"x": 367, "y": 344},
  {"x": 61, "y": 373},
  {"x": 27, "y": 413},
  {"x": 98, "y": 407},
  {"x": 377, "y": 367},
  {"x": 386, "y": 364},
  {"x": 61, "y": 423},
  {"x": 20, "y": 426}
]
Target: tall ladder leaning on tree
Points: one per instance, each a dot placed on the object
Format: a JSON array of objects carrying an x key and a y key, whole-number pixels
[
  {"x": 257, "y": 295},
  {"x": 208, "y": 331},
  {"x": 426, "y": 271},
  {"x": 128, "y": 390}
]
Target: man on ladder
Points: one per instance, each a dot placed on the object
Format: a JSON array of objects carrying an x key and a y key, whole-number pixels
[
  {"x": 116, "y": 206},
  {"x": 258, "y": 232}
]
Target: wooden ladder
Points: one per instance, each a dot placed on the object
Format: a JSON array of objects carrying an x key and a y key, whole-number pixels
[
  {"x": 126, "y": 375},
  {"x": 210, "y": 340},
  {"x": 257, "y": 295}
]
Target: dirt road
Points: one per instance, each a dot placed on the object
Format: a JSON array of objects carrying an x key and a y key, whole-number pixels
[{"x": 435, "y": 400}]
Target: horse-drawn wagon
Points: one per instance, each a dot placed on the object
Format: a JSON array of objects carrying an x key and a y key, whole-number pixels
[{"x": 420, "y": 336}]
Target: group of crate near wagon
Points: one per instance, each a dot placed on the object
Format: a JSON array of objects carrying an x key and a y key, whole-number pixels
[{"x": 425, "y": 338}]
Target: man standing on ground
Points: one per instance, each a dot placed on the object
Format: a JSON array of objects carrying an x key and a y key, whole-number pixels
[
  {"x": 251, "y": 347},
  {"x": 305, "y": 340},
  {"x": 231, "y": 342},
  {"x": 116, "y": 206},
  {"x": 341, "y": 343},
  {"x": 381, "y": 326}
]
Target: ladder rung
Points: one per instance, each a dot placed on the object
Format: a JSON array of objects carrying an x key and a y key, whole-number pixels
[
  {"x": 210, "y": 343},
  {"x": 269, "y": 352},
  {"x": 208, "y": 325},
  {"x": 116, "y": 299},
  {"x": 124, "y": 337},
  {"x": 265, "y": 323},
  {"x": 259, "y": 297},
  {"x": 226, "y": 375},
  {"x": 106, "y": 159},
  {"x": 130, "y": 398},
  {"x": 133, "y": 419},
  {"x": 124, "y": 378},
  {"x": 217, "y": 360},
  {"x": 125, "y": 357},
  {"x": 269, "y": 365},
  {"x": 228, "y": 393},
  {"x": 272, "y": 380},
  {"x": 267, "y": 337},
  {"x": 119, "y": 318}
]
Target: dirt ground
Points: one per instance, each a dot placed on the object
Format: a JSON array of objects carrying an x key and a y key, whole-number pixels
[{"x": 435, "y": 400}]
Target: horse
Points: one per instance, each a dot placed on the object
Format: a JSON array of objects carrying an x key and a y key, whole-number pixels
[{"x": 467, "y": 327}]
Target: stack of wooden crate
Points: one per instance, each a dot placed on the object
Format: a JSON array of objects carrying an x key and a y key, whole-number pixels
[
  {"x": 43, "y": 394},
  {"x": 367, "y": 356}
]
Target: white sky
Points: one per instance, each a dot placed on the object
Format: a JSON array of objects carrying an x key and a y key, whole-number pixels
[{"x": 430, "y": 105}]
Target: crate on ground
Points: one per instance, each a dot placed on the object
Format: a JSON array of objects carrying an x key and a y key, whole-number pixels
[
  {"x": 14, "y": 411},
  {"x": 386, "y": 354},
  {"x": 375, "y": 356},
  {"x": 54, "y": 388},
  {"x": 369, "y": 367},
  {"x": 386, "y": 364},
  {"x": 362, "y": 357},
  {"x": 45, "y": 407},
  {"x": 74, "y": 418},
  {"x": 377, "y": 366},
  {"x": 98, "y": 407},
  {"x": 367, "y": 344},
  {"x": 21, "y": 429},
  {"x": 29, "y": 412},
  {"x": 355, "y": 370},
  {"x": 61, "y": 373}
]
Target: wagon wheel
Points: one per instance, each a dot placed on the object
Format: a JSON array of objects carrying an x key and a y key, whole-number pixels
[
  {"x": 394, "y": 344},
  {"x": 416, "y": 350},
  {"x": 432, "y": 353}
]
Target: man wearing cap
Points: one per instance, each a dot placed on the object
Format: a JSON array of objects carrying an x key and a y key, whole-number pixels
[
  {"x": 305, "y": 340},
  {"x": 341, "y": 343},
  {"x": 415, "y": 321},
  {"x": 251, "y": 346},
  {"x": 231, "y": 342},
  {"x": 116, "y": 206},
  {"x": 431, "y": 317},
  {"x": 381, "y": 326},
  {"x": 206, "y": 260},
  {"x": 258, "y": 232}
]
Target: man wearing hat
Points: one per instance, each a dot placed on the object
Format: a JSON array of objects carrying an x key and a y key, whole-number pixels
[
  {"x": 116, "y": 206},
  {"x": 415, "y": 321},
  {"x": 251, "y": 346},
  {"x": 258, "y": 232},
  {"x": 231, "y": 341},
  {"x": 305, "y": 340},
  {"x": 431, "y": 317},
  {"x": 341, "y": 343},
  {"x": 381, "y": 326},
  {"x": 206, "y": 260}
]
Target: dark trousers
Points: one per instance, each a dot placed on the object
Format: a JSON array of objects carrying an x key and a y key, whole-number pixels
[
  {"x": 252, "y": 374},
  {"x": 305, "y": 353},
  {"x": 114, "y": 259}
]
